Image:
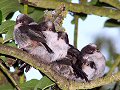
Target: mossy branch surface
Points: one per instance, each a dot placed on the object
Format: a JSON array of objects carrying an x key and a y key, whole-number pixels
[
  {"x": 114, "y": 3},
  {"x": 62, "y": 82},
  {"x": 78, "y": 8},
  {"x": 83, "y": 1}
]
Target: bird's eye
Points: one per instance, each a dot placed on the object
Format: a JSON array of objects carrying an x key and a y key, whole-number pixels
[
  {"x": 91, "y": 51},
  {"x": 20, "y": 22},
  {"x": 62, "y": 38}
]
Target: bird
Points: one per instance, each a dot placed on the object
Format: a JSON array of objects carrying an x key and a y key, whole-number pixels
[
  {"x": 65, "y": 57},
  {"x": 33, "y": 38},
  {"x": 28, "y": 36},
  {"x": 94, "y": 61},
  {"x": 28, "y": 33}
]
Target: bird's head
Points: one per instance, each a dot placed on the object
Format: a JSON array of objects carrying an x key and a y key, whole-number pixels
[
  {"x": 63, "y": 36},
  {"x": 24, "y": 19},
  {"x": 89, "y": 49},
  {"x": 47, "y": 26}
]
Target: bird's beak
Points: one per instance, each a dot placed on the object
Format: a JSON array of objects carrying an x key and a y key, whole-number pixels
[{"x": 98, "y": 50}]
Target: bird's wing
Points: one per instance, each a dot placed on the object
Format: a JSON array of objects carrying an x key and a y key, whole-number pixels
[
  {"x": 25, "y": 34},
  {"x": 74, "y": 52},
  {"x": 33, "y": 34},
  {"x": 64, "y": 61},
  {"x": 20, "y": 38},
  {"x": 77, "y": 71}
]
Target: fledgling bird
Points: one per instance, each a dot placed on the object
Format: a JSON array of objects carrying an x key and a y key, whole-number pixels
[
  {"x": 94, "y": 61},
  {"x": 27, "y": 33},
  {"x": 33, "y": 38},
  {"x": 64, "y": 56},
  {"x": 28, "y": 36}
]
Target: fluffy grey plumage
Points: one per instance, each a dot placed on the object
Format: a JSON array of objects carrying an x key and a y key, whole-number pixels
[
  {"x": 24, "y": 34},
  {"x": 95, "y": 61},
  {"x": 65, "y": 56},
  {"x": 28, "y": 36},
  {"x": 41, "y": 41}
]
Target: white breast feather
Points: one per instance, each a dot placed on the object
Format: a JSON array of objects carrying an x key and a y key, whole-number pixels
[
  {"x": 99, "y": 60},
  {"x": 58, "y": 46}
]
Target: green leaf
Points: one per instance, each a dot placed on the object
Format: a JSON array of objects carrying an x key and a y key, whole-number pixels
[
  {"x": 92, "y": 2},
  {"x": 37, "y": 14},
  {"x": 73, "y": 21},
  {"x": 112, "y": 23},
  {"x": 9, "y": 34},
  {"x": 7, "y": 25},
  {"x": 0, "y": 16},
  {"x": 6, "y": 87},
  {"x": 1, "y": 40},
  {"x": 8, "y": 6},
  {"x": 44, "y": 83},
  {"x": 29, "y": 85},
  {"x": 109, "y": 63},
  {"x": 68, "y": 0},
  {"x": 12, "y": 44},
  {"x": 30, "y": 9},
  {"x": 9, "y": 16},
  {"x": 3, "y": 58},
  {"x": 65, "y": 0},
  {"x": 82, "y": 16},
  {"x": 33, "y": 12}
]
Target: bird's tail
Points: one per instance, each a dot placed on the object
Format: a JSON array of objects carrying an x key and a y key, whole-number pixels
[{"x": 80, "y": 73}]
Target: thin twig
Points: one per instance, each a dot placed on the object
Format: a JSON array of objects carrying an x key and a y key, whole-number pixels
[
  {"x": 9, "y": 76},
  {"x": 114, "y": 3},
  {"x": 117, "y": 62},
  {"x": 76, "y": 30},
  {"x": 25, "y": 2},
  {"x": 25, "y": 9}
]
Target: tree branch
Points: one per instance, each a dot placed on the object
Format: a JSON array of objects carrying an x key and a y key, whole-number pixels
[
  {"x": 62, "y": 82},
  {"x": 115, "y": 3},
  {"x": 83, "y": 1},
  {"x": 10, "y": 77},
  {"x": 87, "y": 9},
  {"x": 76, "y": 17},
  {"x": 116, "y": 63}
]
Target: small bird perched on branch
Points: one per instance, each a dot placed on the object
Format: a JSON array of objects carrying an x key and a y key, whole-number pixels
[
  {"x": 28, "y": 36},
  {"x": 42, "y": 41},
  {"x": 59, "y": 43},
  {"x": 27, "y": 33},
  {"x": 68, "y": 56},
  {"x": 94, "y": 61}
]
